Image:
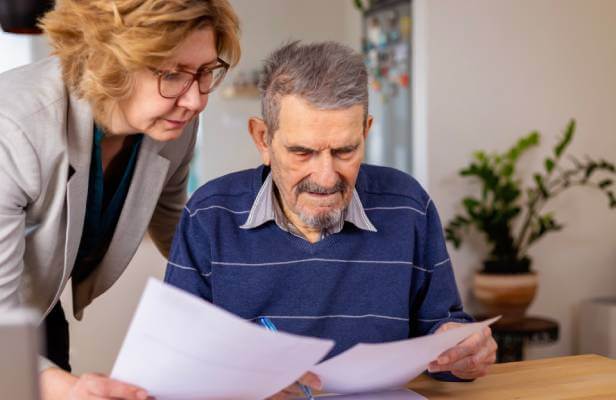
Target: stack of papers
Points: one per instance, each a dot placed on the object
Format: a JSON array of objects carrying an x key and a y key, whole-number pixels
[
  {"x": 180, "y": 347},
  {"x": 402, "y": 394}
]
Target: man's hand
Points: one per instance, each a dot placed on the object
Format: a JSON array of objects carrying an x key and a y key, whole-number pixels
[
  {"x": 60, "y": 385},
  {"x": 470, "y": 358},
  {"x": 294, "y": 391}
]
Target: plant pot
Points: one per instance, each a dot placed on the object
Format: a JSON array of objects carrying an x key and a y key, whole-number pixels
[{"x": 508, "y": 295}]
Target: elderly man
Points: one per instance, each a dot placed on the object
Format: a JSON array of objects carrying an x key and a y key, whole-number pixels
[{"x": 315, "y": 240}]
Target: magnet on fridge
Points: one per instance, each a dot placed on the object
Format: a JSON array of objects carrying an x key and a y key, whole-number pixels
[
  {"x": 405, "y": 25},
  {"x": 401, "y": 52},
  {"x": 376, "y": 85},
  {"x": 404, "y": 80},
  {"x": 373, "y": 31}
]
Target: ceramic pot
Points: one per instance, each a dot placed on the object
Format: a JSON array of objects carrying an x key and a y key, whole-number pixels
[{"x": 508, "y": 295}]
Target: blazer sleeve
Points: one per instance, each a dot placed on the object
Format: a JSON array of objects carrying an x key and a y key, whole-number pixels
[
  {"x": 189, "y": 267},
  {"x": 19, "y": 186},
  {"x": 173, "y": 199}
]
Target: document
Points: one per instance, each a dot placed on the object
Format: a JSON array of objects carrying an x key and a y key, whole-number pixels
[
  {"x": 179, "y": 347},
  {"x": 401, "y": 394},
  {"x": 368, "y": 367}
]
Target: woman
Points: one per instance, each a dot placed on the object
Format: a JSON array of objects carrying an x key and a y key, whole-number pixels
[{"x": 95, "y": 145}]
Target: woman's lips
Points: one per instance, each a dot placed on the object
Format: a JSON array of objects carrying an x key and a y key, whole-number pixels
[{"x": 175, "y": 124}]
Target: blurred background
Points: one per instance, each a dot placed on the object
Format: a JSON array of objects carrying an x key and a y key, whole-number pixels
[{"x": 448, "y": 77}]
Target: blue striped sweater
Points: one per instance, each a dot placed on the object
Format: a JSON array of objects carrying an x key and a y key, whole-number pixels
[{"x": 353, "y": 286}]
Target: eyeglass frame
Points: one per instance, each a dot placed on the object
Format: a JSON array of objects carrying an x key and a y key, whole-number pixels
[{"x": 195, "y": 77}]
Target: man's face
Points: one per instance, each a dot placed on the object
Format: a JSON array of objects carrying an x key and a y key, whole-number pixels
[{"x": 315, "y": 157}]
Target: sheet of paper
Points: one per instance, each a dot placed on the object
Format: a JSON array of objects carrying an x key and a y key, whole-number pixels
[
  {"x": 372, "y": 367},
  {"x": 179, "y": 347},
  {"x": 401, "y": 394}
]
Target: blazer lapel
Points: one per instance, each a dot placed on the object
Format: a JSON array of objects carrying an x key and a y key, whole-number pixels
[
  {"x": 146, "y": 185},
  {"x": 80, "y": 127}
]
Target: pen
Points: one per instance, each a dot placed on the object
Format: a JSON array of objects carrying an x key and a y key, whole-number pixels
[{"x": 269, "y": 325}]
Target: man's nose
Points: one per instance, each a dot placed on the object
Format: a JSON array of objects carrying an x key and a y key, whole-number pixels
[{"x": 324, "y": 173}]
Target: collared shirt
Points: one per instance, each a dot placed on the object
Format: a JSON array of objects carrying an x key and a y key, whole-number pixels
[{"x": 267, "y": 208}]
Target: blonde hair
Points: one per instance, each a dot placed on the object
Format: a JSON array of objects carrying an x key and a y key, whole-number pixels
[{"x": 101, "y": 43}]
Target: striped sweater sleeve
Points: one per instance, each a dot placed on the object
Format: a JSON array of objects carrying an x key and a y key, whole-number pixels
[
  {"x": 440, "y": 302},
  {"x": 189, "y": 267}
]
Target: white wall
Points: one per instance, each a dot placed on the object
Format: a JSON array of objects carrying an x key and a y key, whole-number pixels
[
  {"x": 493, "y": 70},
  {"x": 16, "y": 50}
]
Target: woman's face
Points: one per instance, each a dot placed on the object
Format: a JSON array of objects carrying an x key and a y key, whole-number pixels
[{"x": 146, "y": 111}]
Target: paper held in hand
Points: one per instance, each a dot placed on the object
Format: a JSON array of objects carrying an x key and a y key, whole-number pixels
[{"x": 181, "y": 347}]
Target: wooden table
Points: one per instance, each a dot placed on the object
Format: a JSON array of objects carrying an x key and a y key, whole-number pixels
[{"x": 588, "y": 377}]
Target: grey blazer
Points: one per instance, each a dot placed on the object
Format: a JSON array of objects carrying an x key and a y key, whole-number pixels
[{"x": 46, "y": 138}]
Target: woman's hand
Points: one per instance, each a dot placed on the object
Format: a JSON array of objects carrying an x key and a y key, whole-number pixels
[
  {"x": 57, "y": 384},
  {"x": 308, "y": 379},
  {"x": 470, "y": 358}
]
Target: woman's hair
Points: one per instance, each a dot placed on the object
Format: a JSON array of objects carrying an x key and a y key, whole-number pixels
[{"x": 101, "y": 43}]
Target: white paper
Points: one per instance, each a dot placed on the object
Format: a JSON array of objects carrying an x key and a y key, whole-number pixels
[
  {"x": 401, "y": 394},
  {"x": 180, "y": 347},
  {"x": 369, "y": 367}
]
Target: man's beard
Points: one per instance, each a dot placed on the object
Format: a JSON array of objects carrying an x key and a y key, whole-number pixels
[{"x": 326, "y": 219}]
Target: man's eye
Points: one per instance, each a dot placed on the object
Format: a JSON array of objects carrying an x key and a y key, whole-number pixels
[
  {"x": 343, "y": 152},
  {"x": 302, "y": 153}
]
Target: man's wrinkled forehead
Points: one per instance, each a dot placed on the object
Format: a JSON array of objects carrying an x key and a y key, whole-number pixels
[{"x": 299, "y": 118}]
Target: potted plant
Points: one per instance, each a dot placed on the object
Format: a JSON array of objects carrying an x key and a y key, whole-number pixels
[{"x": 511, "y": 215}]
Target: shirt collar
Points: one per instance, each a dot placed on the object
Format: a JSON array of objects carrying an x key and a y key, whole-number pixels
[{"x": 265, "y": 208}]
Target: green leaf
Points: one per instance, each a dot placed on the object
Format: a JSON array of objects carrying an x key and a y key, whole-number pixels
[
  {"x": 541, "y": 186},
  {"x": 590, "y": 168},
  {"x": 522, "y": 145},
  {"x": 480, "y": 156},
  {"x": 549, "y": 165},
  {"x": 566, "y": 139},
  {"x": 508, "y": 170},
  {"x": 542, "y": 225},
  {"x": 605, "y": 183},
  {"x": 470, "y": 203},
  {"x": 612, "y": 198},
  {"x": 606, "y": 166}
]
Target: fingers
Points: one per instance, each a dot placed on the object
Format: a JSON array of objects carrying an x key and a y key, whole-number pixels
[
  {"x": 98, "y": 386},
  {"x": 290, "y": 392},
  {"x": 448, "y": 326},
  {"x": 470, "y": 358},
  {"x": 311, "y": 380},
  {"x": 465, "y": 348},
  {"x": 294, "y": 391}
]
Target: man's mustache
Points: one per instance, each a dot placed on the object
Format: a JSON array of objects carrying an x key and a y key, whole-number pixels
[{"x": 312, "y": 187}]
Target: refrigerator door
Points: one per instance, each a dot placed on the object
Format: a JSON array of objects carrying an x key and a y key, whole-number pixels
[{"x": 387, "y": 51}]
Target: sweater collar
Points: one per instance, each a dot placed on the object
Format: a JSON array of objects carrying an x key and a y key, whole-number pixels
[{"x": 266, "y": 208}]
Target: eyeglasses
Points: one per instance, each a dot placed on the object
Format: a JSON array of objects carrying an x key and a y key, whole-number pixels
[{"x": 173, "y": 84}]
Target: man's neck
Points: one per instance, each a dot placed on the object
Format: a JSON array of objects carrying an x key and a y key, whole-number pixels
[{"x": 311, "y": 234}]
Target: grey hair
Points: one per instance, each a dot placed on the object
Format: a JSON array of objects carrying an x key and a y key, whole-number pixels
[{"x": 328, "y": 75}]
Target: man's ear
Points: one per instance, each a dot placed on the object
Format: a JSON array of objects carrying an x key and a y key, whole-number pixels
[
  {"x": 258, "y": 131},
  {"x": 369, "y": 120}
]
